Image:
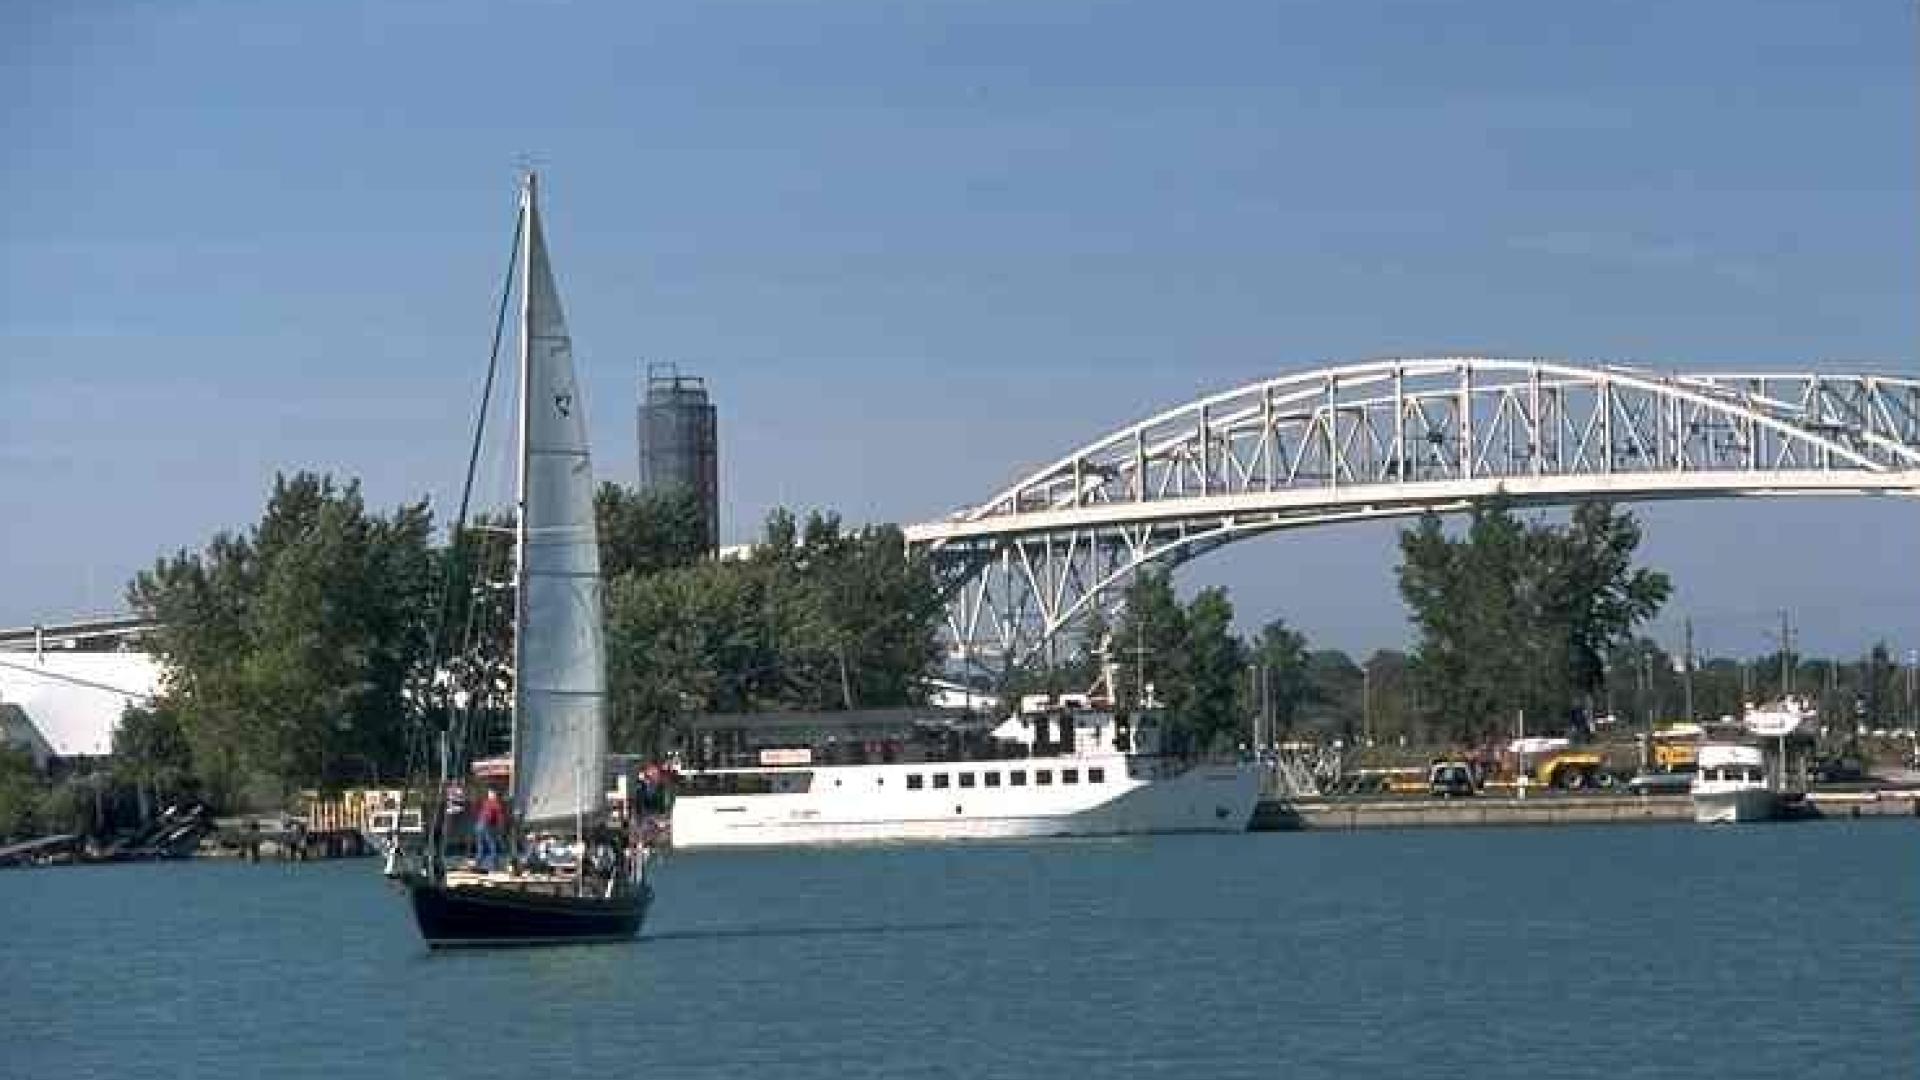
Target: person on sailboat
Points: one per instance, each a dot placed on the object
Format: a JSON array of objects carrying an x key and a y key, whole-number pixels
[{"x": 486, "y": 831}]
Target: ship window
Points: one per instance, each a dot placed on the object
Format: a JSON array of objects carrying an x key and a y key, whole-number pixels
[
  {"x": 1096, "y": 776},
  {"x": 1069, "y": 776},
  {"x": 966, "y": 779},
  {"x": 940, "y": 779},
  {"x": 1043, "y": 776},
  {"x": 745, "y": 783},
  {"x": 992, "y": 779},
  {"x": 913, "y": 781},
  {"x": 1017, "y": 778}
]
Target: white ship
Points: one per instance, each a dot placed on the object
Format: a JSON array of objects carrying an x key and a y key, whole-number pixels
[
  {"x": 1731, "y": 785},
  {"x": 1788, "y": 718},
  {"x": 1066, "y": 766}
]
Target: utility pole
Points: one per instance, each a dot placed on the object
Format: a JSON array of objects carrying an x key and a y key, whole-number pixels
[
  {"x": 1646, "y": 718},
  {"x": 1139, "y": 651},
  {"x": 1254, "y": 688},
  {"x": 1260, "y": 676},
  {"x": 1687, "y": 674},
  {"x": 1871, "y": 692},
  {"x": 1786, "y": 654},
  {"x": 1913, "y": 675},
  {"x": 1366, "y": 704},
  {"x": 1913, "y": 709},
  {"x": 1646, "y": 687},
  {"x": 1266, "y": 697},
  {"x": 1520, "y": 731}
]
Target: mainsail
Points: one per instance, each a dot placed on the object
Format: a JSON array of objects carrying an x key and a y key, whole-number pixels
[{"x": 559, "y": 715}]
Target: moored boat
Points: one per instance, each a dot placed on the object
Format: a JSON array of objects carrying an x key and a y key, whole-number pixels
[
  {"x": 393, "y": 829},
  {"x": 1064, "y": 766},
  {"x": 1731, "y": 785},
  {"x": 1788, "y": 718}
]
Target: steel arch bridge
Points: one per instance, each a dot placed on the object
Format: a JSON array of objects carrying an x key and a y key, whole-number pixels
[{"x": 1392, "y": 438}]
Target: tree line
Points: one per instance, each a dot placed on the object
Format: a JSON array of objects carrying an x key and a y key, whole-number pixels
[{"x": 316, "y": 647}]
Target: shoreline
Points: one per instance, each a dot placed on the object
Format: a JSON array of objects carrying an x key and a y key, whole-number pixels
[{"x": 1342, "y": 813}]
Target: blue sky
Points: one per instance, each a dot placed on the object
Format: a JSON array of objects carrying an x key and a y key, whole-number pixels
[{"x": 918, "y": 248}]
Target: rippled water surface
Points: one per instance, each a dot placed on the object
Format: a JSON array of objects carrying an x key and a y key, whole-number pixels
[{"x": 1776, "y": 951}]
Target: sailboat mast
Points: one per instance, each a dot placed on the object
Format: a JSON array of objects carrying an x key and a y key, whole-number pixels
[{"x": 517, "y": 779}]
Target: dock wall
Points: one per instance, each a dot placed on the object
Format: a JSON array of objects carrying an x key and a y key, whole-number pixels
[{"x": 1276, "y": 815}]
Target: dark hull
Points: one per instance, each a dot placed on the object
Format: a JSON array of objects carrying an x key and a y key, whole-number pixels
[{"x": 480, "y": 916}]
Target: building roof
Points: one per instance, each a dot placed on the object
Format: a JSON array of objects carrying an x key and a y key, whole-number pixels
[
  {"x": 858, "y": 722},
  {"x": 74, "y": 700}
]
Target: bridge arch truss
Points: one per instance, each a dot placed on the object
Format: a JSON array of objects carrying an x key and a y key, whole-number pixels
[{"x": 1393, "y": 438}]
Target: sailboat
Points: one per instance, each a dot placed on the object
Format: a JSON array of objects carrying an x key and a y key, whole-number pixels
[{"x": 597, "y": 890}]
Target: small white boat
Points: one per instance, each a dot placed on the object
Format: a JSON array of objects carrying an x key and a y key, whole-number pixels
[
  {"x": 1731, "y": 785},
  {"x": 389, "y": 829},
  {"x": 1788, "y": 718}
]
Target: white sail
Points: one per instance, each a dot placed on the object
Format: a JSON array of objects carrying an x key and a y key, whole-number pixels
[{"x": 559, "y": 716}]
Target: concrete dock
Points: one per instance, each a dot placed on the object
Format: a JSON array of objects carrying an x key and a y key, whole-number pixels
[{"x": 1275, "y": 815}]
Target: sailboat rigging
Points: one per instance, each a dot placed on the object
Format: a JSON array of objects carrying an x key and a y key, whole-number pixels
[{"x": 588, "y": 883}]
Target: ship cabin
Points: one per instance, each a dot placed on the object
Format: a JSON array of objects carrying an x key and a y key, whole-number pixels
[{"x": 778, "y": 752}]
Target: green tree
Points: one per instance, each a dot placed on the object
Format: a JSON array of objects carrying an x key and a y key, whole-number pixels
[
  {"x": 1187, "y": 655},
  {"x": 1642, "y": 688},
  {"x": 1463, "y": 600},
  {"x": 1147, "y": 642},
  {"x": 1596, "y": 591},
  {"x": 1514, "y": 617},
  {"x": 849, "y": 617},
  {"x": 288, "y": 650},
  {"x": 1279, "y": 657},
  {"x": 816, "y": 617},
  {"x": 1333, "y": 693},
  {"x": 1211, "y": 663},
  {"x": 1388, "y": 704},
  {"x": 200, "y": 603},
  {"x": 681, "y": 642},
  {"x": 1718, "y": 688},
  {"x": 22, "y": 789},
  {"x": 151, "y": 754},
  {"x": 645, "y": 532}
]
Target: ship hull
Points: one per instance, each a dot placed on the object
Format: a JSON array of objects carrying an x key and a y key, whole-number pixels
[
  {"x": 480, "y": 916},
  {"x": 871, "y": 804},
  {"x": 1729, "y": 807}
]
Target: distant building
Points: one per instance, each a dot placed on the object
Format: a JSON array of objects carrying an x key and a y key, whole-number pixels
[
  {"x": 680, "y": 441},
  {"x": 65, "y": 704}
]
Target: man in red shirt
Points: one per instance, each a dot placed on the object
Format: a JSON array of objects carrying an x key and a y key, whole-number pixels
[{"x": 487, "y": 825}]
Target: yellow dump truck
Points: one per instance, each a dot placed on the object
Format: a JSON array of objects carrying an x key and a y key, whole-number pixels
[
  {"x": 1555, "y": 763},
  {"x": 1573, "y": 770}
]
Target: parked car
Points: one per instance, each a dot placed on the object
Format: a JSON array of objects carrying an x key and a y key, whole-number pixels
[
  {"x": 1448, "y": 779},
  {"x": 1839, "y": 770},
  {"x": 1661, "y": 783}
]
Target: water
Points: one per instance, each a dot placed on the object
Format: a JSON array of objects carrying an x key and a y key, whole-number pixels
[{"x": 1766, "y": 951}]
